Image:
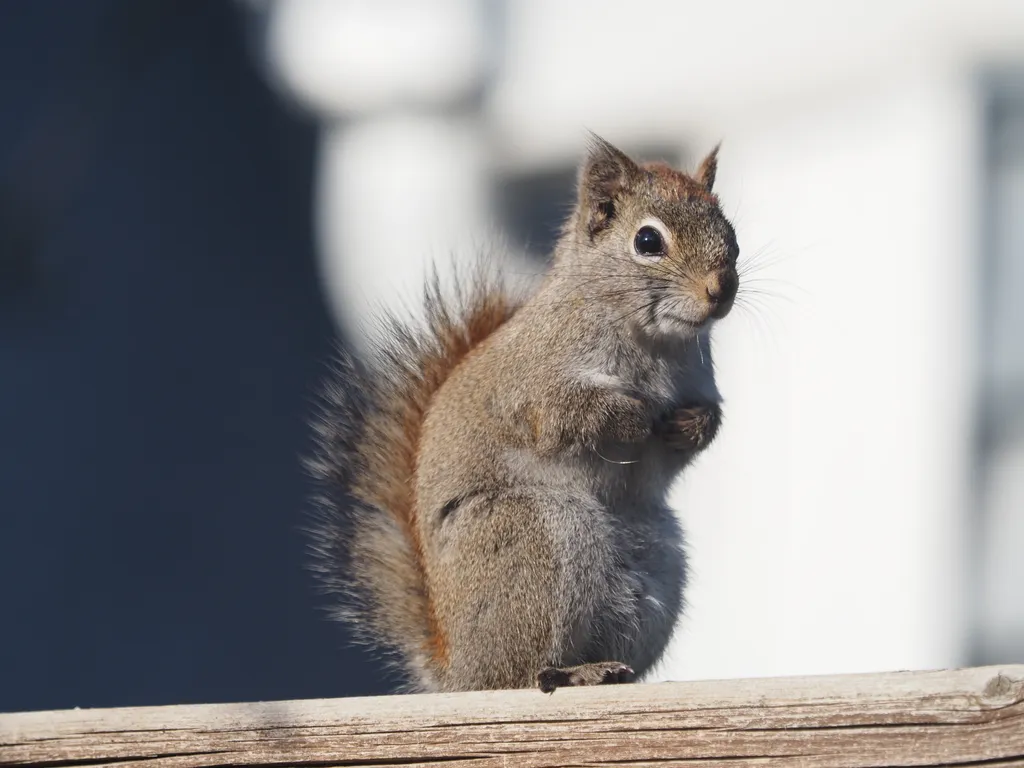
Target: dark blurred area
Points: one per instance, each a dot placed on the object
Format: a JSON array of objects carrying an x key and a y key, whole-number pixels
[{"x": 162, "y": 336}]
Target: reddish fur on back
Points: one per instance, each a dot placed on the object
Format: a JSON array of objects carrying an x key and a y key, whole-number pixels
[
  {"x": 378, "y": 538},
  {"x": 392, "y": 437}
]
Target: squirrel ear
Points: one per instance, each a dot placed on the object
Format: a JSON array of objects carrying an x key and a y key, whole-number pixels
[
  {"x": 705, "y": 175},
  {"x": 604, "y": 174}
]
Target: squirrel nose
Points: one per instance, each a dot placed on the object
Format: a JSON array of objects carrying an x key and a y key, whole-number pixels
[{"x": 721, "y": 289}]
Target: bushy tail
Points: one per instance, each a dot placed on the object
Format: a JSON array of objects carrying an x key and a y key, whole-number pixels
[{"x": 366, "y": 549}]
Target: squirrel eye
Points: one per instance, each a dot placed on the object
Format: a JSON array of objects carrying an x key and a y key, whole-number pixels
[{"x": 648, "y": 242}]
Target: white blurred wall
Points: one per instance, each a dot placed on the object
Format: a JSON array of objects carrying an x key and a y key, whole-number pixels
[
  {"x": 830, "y": 524},
  {"x": 827, "y": 524}
]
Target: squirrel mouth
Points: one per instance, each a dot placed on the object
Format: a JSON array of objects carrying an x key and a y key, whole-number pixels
[{"x": 665, "y": 320}]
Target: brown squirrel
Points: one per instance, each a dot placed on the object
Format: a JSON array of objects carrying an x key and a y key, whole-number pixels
[{"x": 492, "y": 502}]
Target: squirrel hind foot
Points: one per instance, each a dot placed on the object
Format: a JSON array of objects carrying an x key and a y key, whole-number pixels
[{"x": 602, "y": 673}]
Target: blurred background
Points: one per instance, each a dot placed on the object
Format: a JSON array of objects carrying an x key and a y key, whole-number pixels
[{"x": 198, "y": 198}]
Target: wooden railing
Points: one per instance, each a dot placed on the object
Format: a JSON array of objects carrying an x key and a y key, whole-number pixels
[{"x": 964, "y": 717}]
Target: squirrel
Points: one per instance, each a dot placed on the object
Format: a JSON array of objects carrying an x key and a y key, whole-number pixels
[{"x": 492, "y": 484}]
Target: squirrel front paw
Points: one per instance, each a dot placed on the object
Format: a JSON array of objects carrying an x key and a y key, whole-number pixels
[{"x": 691, "y": 428}]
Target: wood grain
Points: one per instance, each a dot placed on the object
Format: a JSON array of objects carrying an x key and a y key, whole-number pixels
[{"x": 962, "y": 717}]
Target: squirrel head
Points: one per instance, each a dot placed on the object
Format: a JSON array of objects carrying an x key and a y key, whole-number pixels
[{"x": 655, "y": 239}]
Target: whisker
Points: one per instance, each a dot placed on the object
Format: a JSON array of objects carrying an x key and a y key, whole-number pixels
[{"x": 613, "y": 461}]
